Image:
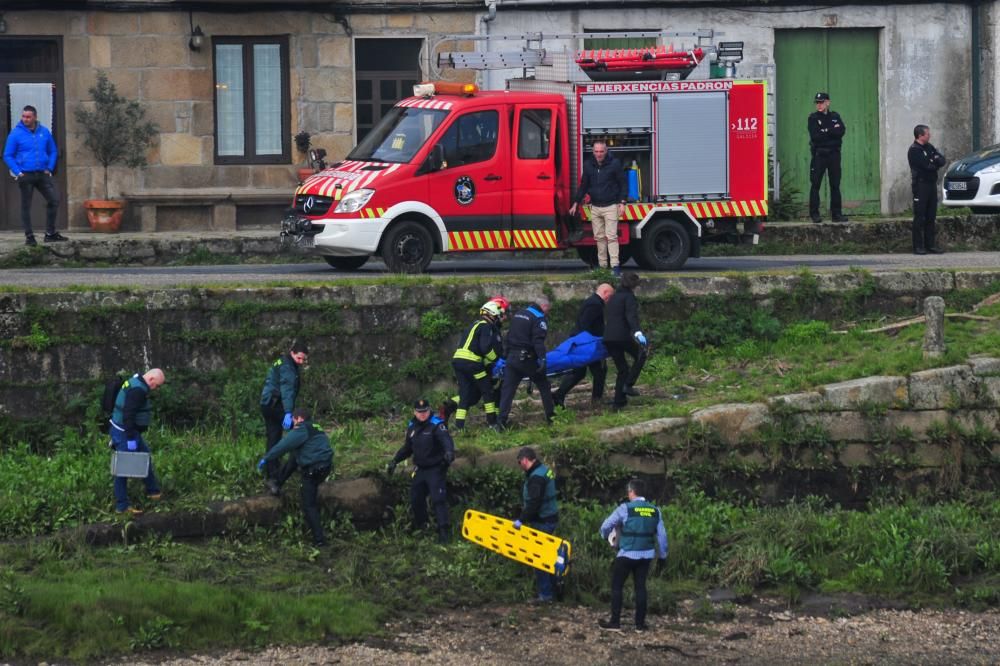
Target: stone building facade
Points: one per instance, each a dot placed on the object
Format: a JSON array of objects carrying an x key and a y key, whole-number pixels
[
  {"x": 148, "y": 56},
  {"x": 930, "y": 63}
]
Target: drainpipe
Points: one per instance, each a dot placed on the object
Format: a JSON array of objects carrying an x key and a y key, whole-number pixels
[
  {"x": 491, "y": 15},
  {"x": 976, "y": 74}
]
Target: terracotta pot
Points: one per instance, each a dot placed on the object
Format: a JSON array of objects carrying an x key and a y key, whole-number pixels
[
  {"x": 104, "y": 216},
  {"x": 305, "y": 173}
]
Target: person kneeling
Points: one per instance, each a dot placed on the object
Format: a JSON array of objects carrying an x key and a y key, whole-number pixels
[{"x": 313, "y": 455}]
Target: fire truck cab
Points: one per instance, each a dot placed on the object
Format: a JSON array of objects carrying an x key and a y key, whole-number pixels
[{"x": 456, "y": 169}]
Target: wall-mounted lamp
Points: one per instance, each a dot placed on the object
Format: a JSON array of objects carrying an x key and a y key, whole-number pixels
[
  {"x": 3, "y": 24},
  {"x": 197, "y": 36}
]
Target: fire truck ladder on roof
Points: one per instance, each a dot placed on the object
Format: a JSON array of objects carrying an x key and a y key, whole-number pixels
[{"x": 532, "y": 54}]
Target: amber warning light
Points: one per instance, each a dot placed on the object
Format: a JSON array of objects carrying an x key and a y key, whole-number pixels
[{"x": 430, "y": 88}]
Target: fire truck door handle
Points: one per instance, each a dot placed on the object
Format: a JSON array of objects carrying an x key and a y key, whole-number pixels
[
  {"x": 493, "y": 176},
  {"x": 544, "y": 176}
]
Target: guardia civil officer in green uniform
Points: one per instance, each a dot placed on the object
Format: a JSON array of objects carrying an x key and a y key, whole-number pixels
[
  {"x": 539, "y": 510},
  {"x": 277, "y": 400},
  {"x": 313, "y": 456},
  {"x": 131, "y": 417},
  {"x": 641, "y": 535}
]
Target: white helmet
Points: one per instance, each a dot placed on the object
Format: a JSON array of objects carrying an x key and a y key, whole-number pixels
[{"x": 492, "y": 309}]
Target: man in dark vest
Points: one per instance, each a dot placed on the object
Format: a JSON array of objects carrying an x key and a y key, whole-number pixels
[
  {"x": 433, "y": 451},
  {"x": 310, "y": 449},
  {"x": 277, "y": 400},
  {"x": 590, "y": 319},
  {"x": 539, "y": 510},
  {"x": 131, "y": 417},
  {"x": 826, "y": 136},
  {"x": 639, "y": 529}
]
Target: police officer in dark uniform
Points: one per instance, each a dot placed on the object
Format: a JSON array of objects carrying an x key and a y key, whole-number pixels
[
  {"x": 826, "y": 134},
  {"x": 277, "y": 400},
  {"x": 473, "y": 365},
  {"x": 526, "y": 357},
  {"x": 640, "y": 531},
  {"x": 430, "y": 444},
  {"x": 925, "y": 160},
  {"x": 313, "y": 457},
  {"x": 589, "y": 319},
  {"x": 539, "y": 511}
]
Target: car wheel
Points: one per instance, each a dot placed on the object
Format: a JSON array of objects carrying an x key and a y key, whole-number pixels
[
  {"x": 407, "y": 248},
  {"x": 588, "y": 255},
  {"x": 347, "y": 263},
  {"x": 665, "y": 246}
]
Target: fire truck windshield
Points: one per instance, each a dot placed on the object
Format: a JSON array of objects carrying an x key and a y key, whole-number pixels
[{"x": 398, "y": 135}]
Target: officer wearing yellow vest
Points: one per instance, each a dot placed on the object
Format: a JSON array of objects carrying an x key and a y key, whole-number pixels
[
  {"x": 473, "y": 365},
  {"x": 640, "y": 531},
  {"x": 539, "y": 510}
]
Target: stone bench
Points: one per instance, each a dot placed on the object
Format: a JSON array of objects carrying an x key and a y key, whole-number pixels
[{"x": 206, "y": 208}]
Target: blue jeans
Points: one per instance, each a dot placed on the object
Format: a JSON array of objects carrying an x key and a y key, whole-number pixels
[
  {"x": 121, "y": 482},
  {"x": 545, "y": 582}
]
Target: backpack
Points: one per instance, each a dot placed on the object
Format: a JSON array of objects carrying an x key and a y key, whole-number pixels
[{"x": 111, "y": 388}]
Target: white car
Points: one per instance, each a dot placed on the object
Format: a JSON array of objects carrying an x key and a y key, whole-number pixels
[{"x": 974, "y": 181}]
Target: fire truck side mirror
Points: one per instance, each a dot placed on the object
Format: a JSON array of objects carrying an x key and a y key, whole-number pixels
[{"x": 435, "y": 160}]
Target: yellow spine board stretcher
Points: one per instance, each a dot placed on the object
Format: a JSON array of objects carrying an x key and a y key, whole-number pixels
[{"x": 525, "y": 545}]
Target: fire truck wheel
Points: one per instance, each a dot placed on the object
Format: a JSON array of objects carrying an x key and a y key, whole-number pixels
[
  {"x": 665, "y": 246},
  {"x": 407, "y": 248},
  {"x": 588, "y": 255},
  {"x": 347, "y": 263}
]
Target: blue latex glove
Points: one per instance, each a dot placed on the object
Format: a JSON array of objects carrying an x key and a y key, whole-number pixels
[
  {"x": 517, "y": 524},
  {"x": 261, "y": 464},
  {"x": 640, "y": 338},
  {"x": 132, "y": 445},
  {"x": 286, "y": 422}
]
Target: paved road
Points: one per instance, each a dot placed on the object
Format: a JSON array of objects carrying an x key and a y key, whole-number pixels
[{"x": 165, "y": 276}]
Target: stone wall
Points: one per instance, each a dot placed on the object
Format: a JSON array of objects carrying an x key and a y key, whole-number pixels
[
  {"x": 58, "y": 345},
  {"x": 933, "y": 431},
  {"x": 146, "y": 56}
]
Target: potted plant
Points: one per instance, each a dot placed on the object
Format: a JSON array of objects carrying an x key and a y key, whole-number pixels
[
  {"x": 302, "y": 143},
  {"x": 116, "y": 132}
]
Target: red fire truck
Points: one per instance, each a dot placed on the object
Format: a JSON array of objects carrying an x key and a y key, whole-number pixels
[{"x": 456, "y": 169}]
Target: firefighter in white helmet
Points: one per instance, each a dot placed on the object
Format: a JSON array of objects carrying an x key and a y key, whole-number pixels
[{"x": 473, "y": 364}]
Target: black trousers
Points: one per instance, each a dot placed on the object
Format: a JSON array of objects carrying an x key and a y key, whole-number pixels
[
  {"x": 28, "y": 183},
  {"x": 311, "y": 478},
  {"x": 430, "y": 482},
  {"x": 513, "y": 373},
  {"x": 627, "y": 376},
  {"x": 474, "y": 382},
  {"x": 925, "y": 201},
  {"x": 620, "y": 570},
  {"x": 825, "y": 162},
  {"x": 599, "y": 372},
  {"x": 273, "y": 416}
]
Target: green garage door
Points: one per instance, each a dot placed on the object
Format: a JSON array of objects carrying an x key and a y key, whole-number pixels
[{"x": 843, "y": 63}]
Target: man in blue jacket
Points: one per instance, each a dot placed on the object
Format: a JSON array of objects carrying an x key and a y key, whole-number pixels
[
  {"x": 640, "y": 533},
  {"x": 313, "y": 455},
  {"x": 30, "y": 154}
]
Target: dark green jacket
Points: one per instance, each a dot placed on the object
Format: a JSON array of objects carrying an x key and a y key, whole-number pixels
[
  {"x": 310, "y": 445},
  {"x": 282, "y": 384},
  {"x": 133, "y": 411},
  {"x": 539, "y": 495}
]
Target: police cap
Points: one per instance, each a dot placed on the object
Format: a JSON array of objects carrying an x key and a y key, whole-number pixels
[
  {"x": 821, "y": 97},
  {"x": 422, "y": 405}
]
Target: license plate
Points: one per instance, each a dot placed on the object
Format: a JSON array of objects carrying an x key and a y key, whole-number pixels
[{"x": 958, "y": 185}]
